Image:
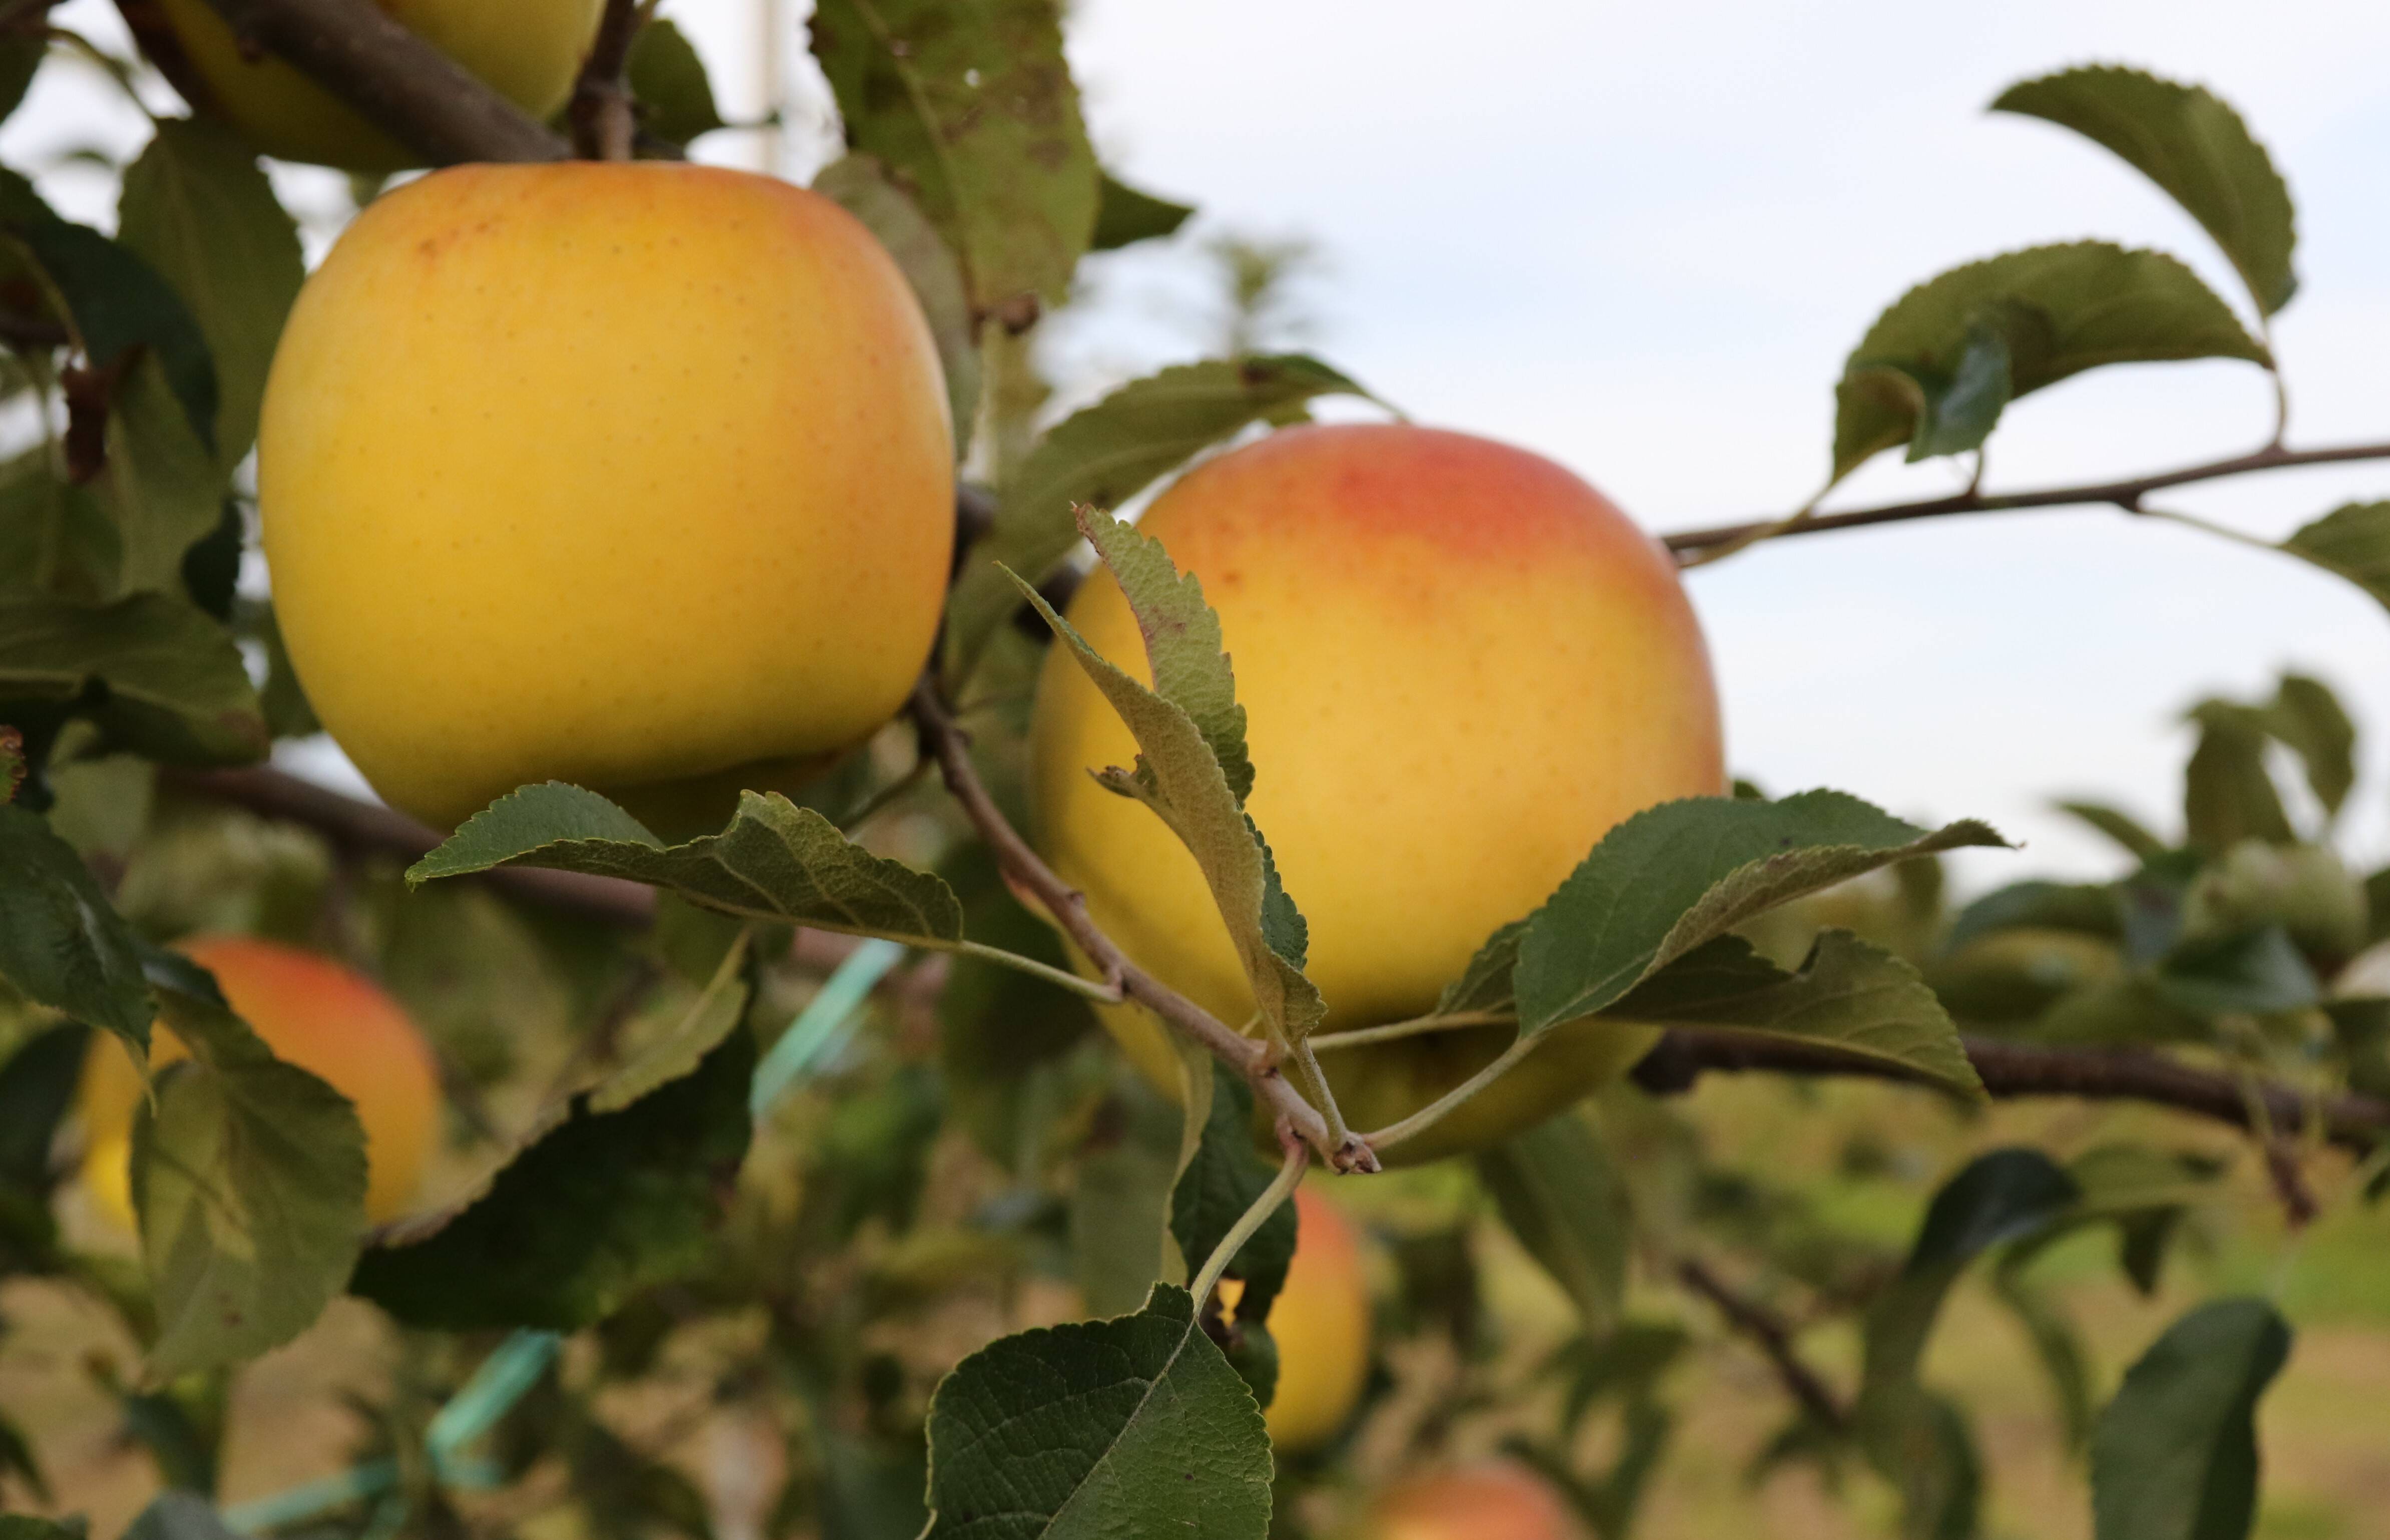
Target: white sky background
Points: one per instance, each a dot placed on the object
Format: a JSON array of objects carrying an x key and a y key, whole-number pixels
[{"x": 1641, "y": 241}]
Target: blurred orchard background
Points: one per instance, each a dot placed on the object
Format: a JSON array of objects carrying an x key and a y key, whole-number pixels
[{"x": 1641, "y": 239}]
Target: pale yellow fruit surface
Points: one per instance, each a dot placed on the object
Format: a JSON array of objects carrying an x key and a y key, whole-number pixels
[
  {"x": 636, "y": 475},
  {"x": 1460, "y": 665},
  {"x": 526, "y": 50}
]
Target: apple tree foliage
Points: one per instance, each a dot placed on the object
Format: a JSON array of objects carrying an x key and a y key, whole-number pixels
[{"x": 842, "y": 1258}]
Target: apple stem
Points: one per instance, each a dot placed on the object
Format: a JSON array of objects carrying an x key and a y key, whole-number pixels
[{"x": 604, "y": 126}]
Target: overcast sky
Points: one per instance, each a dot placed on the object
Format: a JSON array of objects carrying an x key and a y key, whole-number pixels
[{"x": 1641, "y": 241}]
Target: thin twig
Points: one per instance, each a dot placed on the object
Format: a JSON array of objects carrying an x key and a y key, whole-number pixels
[
  {"x": 2125, "y": 495},
  {"x": 1773, "y": 1338},
  {"x": 1067, "y": 908},
  {"x": 1289, "y": 1171},
  {"x": 400, "y": 83},
  {"x": 603, "y": 123},
  {"x": 1328, "y": 1042}
]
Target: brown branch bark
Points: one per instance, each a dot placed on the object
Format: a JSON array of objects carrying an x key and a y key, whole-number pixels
[
  {"x": 603, "y": 125},
  {"x": 1067, "y": 908},
  {"x": 2011, "y": 1071},
  {"x": 2125, "y": 495},
  {"x": 1773, "y": 1338},
  {"x": 395, "y": 80}
]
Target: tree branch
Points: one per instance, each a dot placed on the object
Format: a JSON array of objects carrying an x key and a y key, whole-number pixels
[
  {"x": 1068, "y": 908},
  {"x": 1773, "y": 1338},
  {"x": 404, "y": 85},
  {"x": 2011, "y": 1071},
  {"x": 603, "y": 126},
  {"x": 2125, "y": 495}
]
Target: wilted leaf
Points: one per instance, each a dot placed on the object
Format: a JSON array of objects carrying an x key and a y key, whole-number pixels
[
  {"x": 1106, "y": 454},
  {"x": 2175, "y": 1457},
  {"x": 861, "y": 186},
  {"x": 1227, "y": 1177},
  {"x": 249, "y": 1179},
  {"x": 1937, "y": 368},
  {"x": 1130, "y": 1427},
  {"x": 198, "y": 211},
  {"x": 667, "y": 80},
  {"x": 1850, "y": 995},
  {"x": 61, "y": 943},
  {"x": 1125, "y": 216},
  {"x": 1679, "y": 875},
  {"x": 1180, "y": 771},
  {"x": 971, "y": 109},
  {"x": 2353, "y": 540},
  {"x": 1561, "y": 1197},
  {"x": 114, "y": 302},
  {"x": 603, "y": 1205},
  {"x": 154, "y": 673},
  {"x": 2188, "y": 142},
  {"x": 776, "y": 862}
]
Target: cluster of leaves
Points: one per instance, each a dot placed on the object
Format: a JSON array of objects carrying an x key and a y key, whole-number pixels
[{"x": 636, "y": 1174}]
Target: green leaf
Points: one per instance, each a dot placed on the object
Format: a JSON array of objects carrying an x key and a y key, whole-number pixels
[
  {"x": 154, "y": 673},
  {"x": 2086, "y": 909},
  {"x": 162, "y": 484},
  {"x": 1124, "y": 215},
  {"x": 2056, "y": 1343},
  {"x": 1180, "y": 774},
  {"x": 2352, "y": 541},
  {"x": 860, "y": 186},
  {"x": 1937, "y": 367},
  {"x": 1562, "y": 1197},
  {"x": 972, "y": 110},
  {"x": 667, "y": 80},
  {"x": 2255, "y": 972},
  {"x": 1916, "y": 1439},
  {"x": 56, "y": 537},
  {"x": 1485, "y": 984},
  {"x": 2227, "y": 795},
  {"x": 249, "y": 1179},
  {"x": 1130, "y": 1427},
  {"x": 1106, "y": 454},
  {"x": 2309, "y": 719},
  {"x": 37, "y": 1088},
  {"x": 1999, "y": 1197},
  {"x": 1227, "y": 1177},
  {"x": 717, "y": 1011},
  {"x": 61, "y": 943},
  {"x": 1120, "y": 1200},
  {"x": 2117, "y": 824},
  {"x": 198, "y": 211},
  {"x": 776, "y": 862},
  {"x": 114, "y": 302},
  {"x": 1679, "y": 875},
  {"x": 1850, "y": 995},
  {"x": 2188, "y": 142},
  {"x": 602, "y": 1206},
  {"x": 2175, "y": 1457},
  {"x": 17, "y": 1460}
]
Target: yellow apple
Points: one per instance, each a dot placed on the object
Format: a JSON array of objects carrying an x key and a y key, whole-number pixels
[
  {"x": 330, "y": 1021},
  {"x": 1460, "y": 666},
  {"x": 1487, "y": 1502},
  {"x": 1320, "y": 1323},
  {"x": 635, "y": 476},
  {"x": 526, "y": 50}
]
